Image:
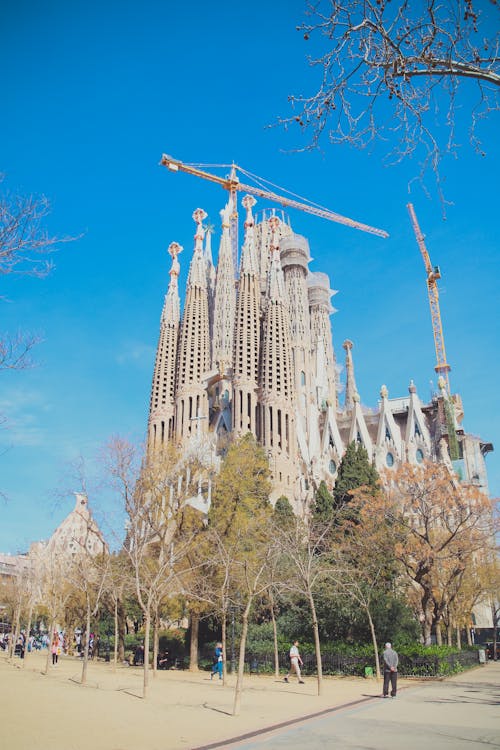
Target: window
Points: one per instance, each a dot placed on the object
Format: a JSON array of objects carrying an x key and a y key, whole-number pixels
[
  {"x": 389, "y": 459},
  {"x": 332, "y": 467},
  {"x": 419, "y": 456}
]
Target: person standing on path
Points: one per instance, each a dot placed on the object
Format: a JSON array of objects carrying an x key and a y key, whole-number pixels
[
  {"x": 55, "y": 648},
  {"x": 295, "y": 663},
  {"x": 219, "y": 661},
  {"x": 391, "y": 660}
]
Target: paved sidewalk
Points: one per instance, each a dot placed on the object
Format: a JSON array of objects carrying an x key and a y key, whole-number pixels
[{"x": 459, "y": 713}]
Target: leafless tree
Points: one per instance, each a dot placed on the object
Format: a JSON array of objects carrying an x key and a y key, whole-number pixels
[
  {"x": 395, "y": 70},
  {"x": 155, "y": 491},
  {"x": 25, "y": 245},
  {"x": 305, "y": 549}
]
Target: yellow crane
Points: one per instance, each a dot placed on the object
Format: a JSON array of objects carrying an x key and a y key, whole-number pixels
[
  {"x": 433, "y": 274},
  {"x": 233, "y": 185}
]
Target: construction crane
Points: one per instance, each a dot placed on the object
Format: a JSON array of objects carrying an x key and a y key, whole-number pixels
[
  {"x": 433, "y": 274},
  {"x": 233, "y": 185}
]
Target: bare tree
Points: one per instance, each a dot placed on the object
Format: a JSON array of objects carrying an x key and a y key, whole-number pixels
[
  {"x": 155, "y": 491},
  {"x": 305, "y": 552},
  {"x": 393, "y": 71},
  {"x": 439, "y": 525},
  {"x": 25, "y": 244}
]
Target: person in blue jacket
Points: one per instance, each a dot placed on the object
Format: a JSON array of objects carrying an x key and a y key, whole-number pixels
[{"x": 219, "y": 662}]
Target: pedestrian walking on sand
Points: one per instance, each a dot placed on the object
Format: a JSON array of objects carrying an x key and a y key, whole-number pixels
[
  {"x": 391, "y": 660},
  {"x": 218, "y": 665},
  {"x": 55, "y": 648},
  {"x": 295, "y": 663}
]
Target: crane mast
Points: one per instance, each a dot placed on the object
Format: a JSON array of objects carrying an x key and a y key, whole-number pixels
[
  {"x": 233, "y": 185},
  {"x": 433, "y": 274}
]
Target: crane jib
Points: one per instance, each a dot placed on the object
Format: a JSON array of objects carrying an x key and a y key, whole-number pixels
[{"x": 232, "y": 184}]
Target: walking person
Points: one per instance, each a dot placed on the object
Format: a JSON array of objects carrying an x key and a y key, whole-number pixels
[
  {"x": 218, "y": 664},
  {"x": 55, "y": 648},
  {"x": 295, "y": 663},
  {"x": 391, "y": 660}
]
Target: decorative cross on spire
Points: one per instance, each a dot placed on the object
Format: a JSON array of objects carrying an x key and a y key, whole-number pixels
[
  {"x": 174, "y": 249},
  {"x": 248, "y": 203},
  {"x": 199, "y": 216}
]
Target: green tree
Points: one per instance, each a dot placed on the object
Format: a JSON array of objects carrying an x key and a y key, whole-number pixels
[
  {"x": 324, "y": 502},
  {"x": 242, "y": 486},
  {"x": 355, "y": 471},
  {"x": 239, "y": 524},
  {"x": 283, "y": 511}
]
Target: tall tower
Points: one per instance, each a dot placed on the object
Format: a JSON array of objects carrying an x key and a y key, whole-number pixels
[
  {"x": 294, "y": 255},
  {"x": 162, "y": 402},
  {"x": 319, "y": 303},
  {"x": 350, "y": 385},
  {"x": 247, "y": 333},
  {"x": 194, "y": 345},
  {"x": 276, "y": 381},
  {"x": 225, "y": 297}
]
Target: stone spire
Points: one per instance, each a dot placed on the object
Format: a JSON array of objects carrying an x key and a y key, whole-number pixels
[
  {"x": 275, "y": 279},
  {"x": 276, "y": 381},
  {"x": 294, "y": 256},
  {"x": 350, "y": 386},
  {"x": 194, "y": 344},
  {"x": 162, "y": 403},
  {"x": 319, "y": 294},
  {"x": 211, "y": 275},
  {"x": 225, "y": 296},
  {"x": 246, "y": 332}
]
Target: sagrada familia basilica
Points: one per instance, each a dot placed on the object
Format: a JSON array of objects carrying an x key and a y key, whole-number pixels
[{"x": 253, "y": 352}]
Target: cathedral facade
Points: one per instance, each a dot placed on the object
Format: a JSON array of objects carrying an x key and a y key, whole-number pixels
[{"x": 252, "y": 351}]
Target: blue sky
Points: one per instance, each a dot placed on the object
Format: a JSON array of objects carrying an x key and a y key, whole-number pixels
[{"x": 94, "y": 93}]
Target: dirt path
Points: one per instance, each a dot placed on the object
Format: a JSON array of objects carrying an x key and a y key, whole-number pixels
[{"x": 183, "y": 710}]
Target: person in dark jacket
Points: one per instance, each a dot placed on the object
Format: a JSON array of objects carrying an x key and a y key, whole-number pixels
[{"x": 391, "y": 660}]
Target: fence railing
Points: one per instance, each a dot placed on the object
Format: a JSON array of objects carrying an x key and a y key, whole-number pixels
[{"x": 355, "y": 666}]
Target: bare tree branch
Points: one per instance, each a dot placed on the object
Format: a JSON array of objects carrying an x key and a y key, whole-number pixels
[{"x": 392, "y": 70}]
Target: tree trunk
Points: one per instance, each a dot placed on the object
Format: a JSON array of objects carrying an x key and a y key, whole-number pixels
[
  {"x": 224, "y": 654},
  {"x": 495, "y": 611},
  {"x": 428, "y": 615},
  {"x": 317, "y": 645},
  {"x": 459, "y": 637},
  {"x": 374, "y": 641},
  {"x": 15, "y": 634},
  {"x": 147, "y": 628},
  {"x": 28, "y": 629},
  {"x": 241, "y": 664},
  {"x": 469, "y": 636},
  {"x": 439, "y": 637},
  {"x": 275, "y": 638},
  {"x": 115, "y": 650},
  {"x": 193, "y": 645},
  {"x": 449, "y": 633},
  {"x": 156, "y": 638},
  {"x": 86, "y": 649},
  {"x": 122, "y": 626},
  {"x": 49, "y": 645}
]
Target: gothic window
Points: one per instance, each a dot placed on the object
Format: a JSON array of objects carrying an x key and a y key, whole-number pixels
[
  {"x": 302, "y": 378},
  {"x": 388, "y": 435},
  {"x": 419, "y": 454},
  {"x": 389, "y": 459},
  {"x": 332, "y": 467},
  {"x": 358, "y": 438},
  {"x": 417, "y": 430}
]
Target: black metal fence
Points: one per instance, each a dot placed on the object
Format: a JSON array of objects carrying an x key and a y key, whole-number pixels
[{"x": 355, "y": 666}]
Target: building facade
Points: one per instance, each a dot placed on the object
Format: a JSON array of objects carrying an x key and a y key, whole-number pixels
[{"x": 253, "y": 352}]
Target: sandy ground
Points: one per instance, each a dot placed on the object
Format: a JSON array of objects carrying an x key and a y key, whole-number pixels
[{"x": 182, "y": 710}]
